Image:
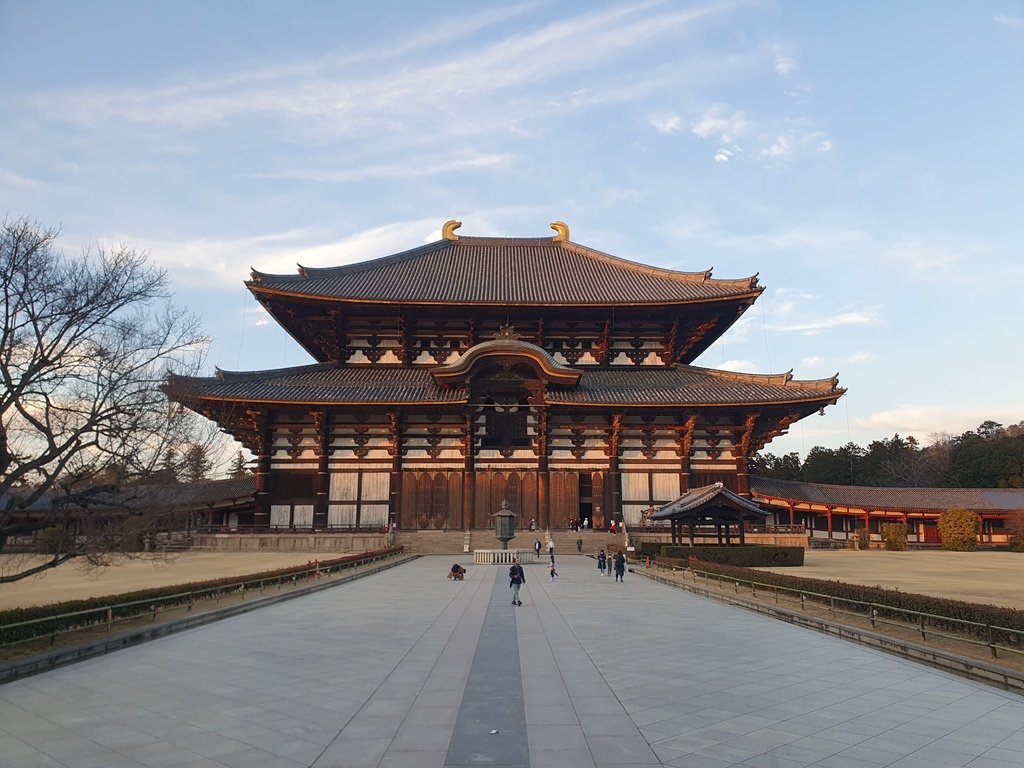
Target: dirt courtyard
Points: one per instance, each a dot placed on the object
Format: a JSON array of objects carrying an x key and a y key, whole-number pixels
[
  {"x": 996, "y": 578},
  {"x": 982, "y": 577}
]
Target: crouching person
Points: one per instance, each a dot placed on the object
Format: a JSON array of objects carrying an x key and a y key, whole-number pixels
[{"x": 457, "y": 572}]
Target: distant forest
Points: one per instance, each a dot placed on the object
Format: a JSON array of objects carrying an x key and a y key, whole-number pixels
[{"x": 991, "y": 456}]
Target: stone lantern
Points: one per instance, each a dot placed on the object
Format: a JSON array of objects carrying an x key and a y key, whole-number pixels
[{"x": 504, "y": 524}]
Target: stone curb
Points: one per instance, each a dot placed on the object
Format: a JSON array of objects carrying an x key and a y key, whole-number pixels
[
  {"x": 974, "y": 669},
  {"x": 43, "y": 662}
]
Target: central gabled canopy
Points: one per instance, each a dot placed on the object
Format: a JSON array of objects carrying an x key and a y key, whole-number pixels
[{"x": 506, "y": 350}]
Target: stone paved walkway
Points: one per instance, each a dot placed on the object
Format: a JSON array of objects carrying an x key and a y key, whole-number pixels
[{"x": 403, "y": 669}]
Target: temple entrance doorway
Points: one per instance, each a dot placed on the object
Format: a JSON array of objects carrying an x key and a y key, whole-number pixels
[{"x": 586, "y": 516}]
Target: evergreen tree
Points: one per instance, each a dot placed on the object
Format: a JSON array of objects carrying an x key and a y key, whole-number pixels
[
  {"x": 196, "y": 465},
  {"x": 238, "y": 466}
]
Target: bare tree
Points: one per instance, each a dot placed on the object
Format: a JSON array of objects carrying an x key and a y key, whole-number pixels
[{"x": 86, "y": 342}]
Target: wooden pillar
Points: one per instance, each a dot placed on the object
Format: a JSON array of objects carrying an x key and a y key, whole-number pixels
[
  {"x": 743, "y": 538},
  {"x": 693, "y": 533},
  {"x": 828, "y": 520},
  {"x": 790, "y": 505},
  {"x": 321, "y": 485},
  {"x": 543, "y": 474},
  {"x": 395, "y": 478},
  {"x": 469, "y": 474},
  {"x": 613, "y": 483},
  {"x": 742, "y": 479},
  {"x": 264, "y": 428},
  {"x": 718, "y": 527},
  {"x": 685, "y": 443}
]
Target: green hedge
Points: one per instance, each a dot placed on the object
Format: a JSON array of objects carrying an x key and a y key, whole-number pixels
[
  {"x": 993, "y": 615},
  {"x": 129, "y": 604},
  {"x": 749, "y": 555}
]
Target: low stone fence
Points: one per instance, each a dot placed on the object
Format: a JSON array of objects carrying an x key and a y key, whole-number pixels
[
  {"x": 493, "y": 556},
  {"x": 290, "y": 542}
]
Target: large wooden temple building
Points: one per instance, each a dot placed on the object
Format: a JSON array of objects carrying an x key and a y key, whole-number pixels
[{"x": 475, "y": 369}]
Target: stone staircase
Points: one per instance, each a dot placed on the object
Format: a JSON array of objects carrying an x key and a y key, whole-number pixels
[
  {"x": 435, "y": 542},
  {"x": 565, "y": 542},
  {"x": 455, "y": 542}
]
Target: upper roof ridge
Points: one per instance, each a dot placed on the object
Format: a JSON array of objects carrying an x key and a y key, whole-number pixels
[{"x": 468, "y": 241}]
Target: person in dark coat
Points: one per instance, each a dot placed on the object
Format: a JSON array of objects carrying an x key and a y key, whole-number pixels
[
  {"x": 516, "y": 579},
  {"x": 620, "y": 566},
  {"x": 602, "y": 561}
]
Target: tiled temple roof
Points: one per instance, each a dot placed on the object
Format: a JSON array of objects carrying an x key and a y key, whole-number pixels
[
  {"x": 863, "y": 497},
  {"x": 327, "y": 384},
  {"x": 494, "y": 270},
  {"x": 696, "y": 498}
]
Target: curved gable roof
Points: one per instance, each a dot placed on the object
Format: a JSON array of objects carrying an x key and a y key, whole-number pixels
[
  {"x": 495, "y": 270},
  {"x": 457, "y": 373}
]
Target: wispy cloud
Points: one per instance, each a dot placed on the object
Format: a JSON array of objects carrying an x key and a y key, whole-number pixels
[
  {"x": 220, "y": 262},
  {"x": 408, "y": 169},
  {"x": 326, "y": 99},
  {"x": 1009, "y": 21},
  {"x": 739, "y": 366},
  {"x": 783, "y": 60},
  {"x": 814, "y": 325},
  {"x": 722, "y": 124},
  {"x": 810, "y": 237},
  {"x": 666, "y": 123},
  {"x": 923, "y": 420},
  {"x": 927, "y": 257}
]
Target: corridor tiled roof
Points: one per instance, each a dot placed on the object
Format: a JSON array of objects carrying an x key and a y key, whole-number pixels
[
  {"x": 494, "y": 270},
  {"x": 327, "y": 384},
  {"x": 864, "y": 497}
]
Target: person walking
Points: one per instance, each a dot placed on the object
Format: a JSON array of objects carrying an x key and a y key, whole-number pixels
[
  {"x": 579, "y": 546},
  {"x": 552, "y": 569},
  {"x": 551, "y": 548},
  {"x": 620, "y": 566},
  {"x": 602, "y": 561},
  {"x": 536, "y": 548},
  {"x": 516, "y": 579}
]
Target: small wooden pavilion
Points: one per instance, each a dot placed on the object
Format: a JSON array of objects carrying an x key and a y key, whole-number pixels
[{"x": 710, "y": 505}]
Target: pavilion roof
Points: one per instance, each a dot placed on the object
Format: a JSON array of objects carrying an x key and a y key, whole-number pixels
[
  {"x": 328, "y": 384},
  {"x": 502, "y": 271},
  {"x": 864, "y": 497},
  {"x": 697, "y": 500}
]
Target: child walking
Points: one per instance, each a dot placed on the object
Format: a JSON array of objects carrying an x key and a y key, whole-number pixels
[{"x": 552, "y": 569}]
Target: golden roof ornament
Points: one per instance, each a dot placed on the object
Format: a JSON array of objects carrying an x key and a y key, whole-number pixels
[
  {"x": 507, "y": 332},
  {"x": 448, "y": 230},
  {"x": 561, "y": 231}
]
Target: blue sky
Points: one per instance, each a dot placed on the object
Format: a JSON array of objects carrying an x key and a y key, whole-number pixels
[{"x": 865, "y": 158}]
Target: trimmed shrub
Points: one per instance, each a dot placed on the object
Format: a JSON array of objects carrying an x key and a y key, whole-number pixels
[
  {"x": 895, "y": 536},
  {"x": 1017, "y": 532},
  {"x": 958, "y": 529},
  {"x": 650, "y": 549},
  {"x": 863, "y": 537},
  {"x": 748, "y": 555}
]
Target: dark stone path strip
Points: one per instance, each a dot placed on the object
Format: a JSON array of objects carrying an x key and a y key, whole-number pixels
[{"x": 493, "y": 698}]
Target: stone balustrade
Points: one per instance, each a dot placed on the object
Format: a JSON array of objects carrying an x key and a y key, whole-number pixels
[{"x": 499, "y": 556}]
